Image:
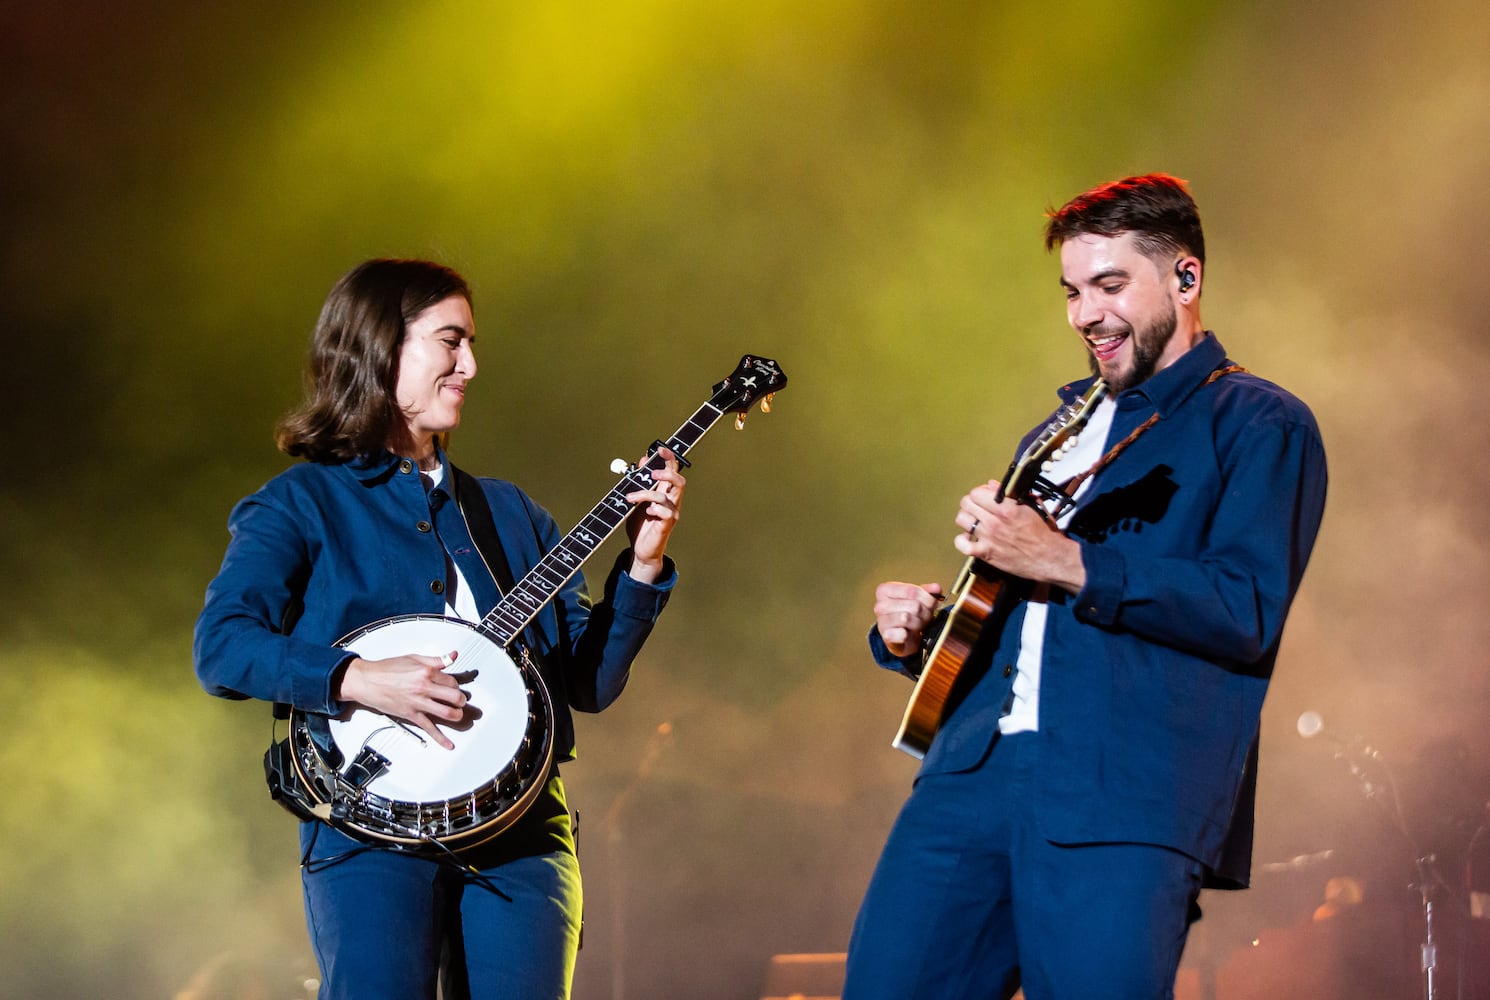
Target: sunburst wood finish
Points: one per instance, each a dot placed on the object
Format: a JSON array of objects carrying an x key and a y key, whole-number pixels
[{"x": 979, "y": 585}]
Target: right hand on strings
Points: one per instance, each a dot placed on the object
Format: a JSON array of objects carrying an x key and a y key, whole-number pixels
[
  {"x": 417, "y": 689},
  {"x": 902, "y": 611}
]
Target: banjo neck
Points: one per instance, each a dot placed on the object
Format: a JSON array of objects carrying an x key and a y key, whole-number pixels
[
  {"x": 377, "y": 782},
  {"x": 519, "y": 606}
]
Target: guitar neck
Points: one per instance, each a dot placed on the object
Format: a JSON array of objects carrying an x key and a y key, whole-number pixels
[{"x": 519, "y": 606}]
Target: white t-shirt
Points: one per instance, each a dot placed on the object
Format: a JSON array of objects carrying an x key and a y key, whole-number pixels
[
  {"x": 459, "y": 602},
  {"x": 1023, "y": 715}
]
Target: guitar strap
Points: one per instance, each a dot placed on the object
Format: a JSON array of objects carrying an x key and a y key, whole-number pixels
[
  {"x": 1074, "y": 483},
  {"x": 285, "y": 786},
  {"x": 471, "y": 499}
]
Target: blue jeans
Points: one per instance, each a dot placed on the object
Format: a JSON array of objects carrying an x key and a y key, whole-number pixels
[
  {"x": 969, "y": 901},
  {"x": 384, "y": 923}
]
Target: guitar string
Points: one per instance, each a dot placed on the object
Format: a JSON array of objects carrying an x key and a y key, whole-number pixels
[
  {"x": 1069, "y": 488},
  {"x": 547, "y": 570},
  {"x": 612, "y": 503}
]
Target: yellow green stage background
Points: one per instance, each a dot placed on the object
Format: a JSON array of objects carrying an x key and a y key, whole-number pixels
[{"x": 641, "y": 191}]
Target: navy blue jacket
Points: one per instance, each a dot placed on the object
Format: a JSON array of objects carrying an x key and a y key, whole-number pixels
[
  {"x": 1194, "y": 541},
  {"x": 321, "y": 550}
]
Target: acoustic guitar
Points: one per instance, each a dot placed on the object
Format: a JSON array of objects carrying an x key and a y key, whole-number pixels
[{"x": 979, "y": 585}]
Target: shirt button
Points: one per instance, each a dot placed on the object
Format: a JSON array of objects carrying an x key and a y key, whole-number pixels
[
  {"x": 1008, "y": 670},
  {"x": 437, "y": 586},
  {"x": 406, "y": 466},
  {"x": 422, "y": 525}
]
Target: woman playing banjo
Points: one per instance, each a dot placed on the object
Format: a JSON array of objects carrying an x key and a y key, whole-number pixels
[{"x": 375, "y": 525}]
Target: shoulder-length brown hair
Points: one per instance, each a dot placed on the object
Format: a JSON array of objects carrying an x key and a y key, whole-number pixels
[{"x": 350, "y": 404}]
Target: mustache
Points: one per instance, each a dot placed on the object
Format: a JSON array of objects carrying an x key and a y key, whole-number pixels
[{"x": 1107, "y": 330}]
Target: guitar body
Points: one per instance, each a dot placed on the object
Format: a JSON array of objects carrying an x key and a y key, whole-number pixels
[
  {"x": 972, "y": 604},
  {"x": 980, "y": 584},
  {"x": 388, "y": 781}
]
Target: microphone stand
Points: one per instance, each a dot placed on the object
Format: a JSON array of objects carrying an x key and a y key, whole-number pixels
[
  {"x": 1427, "y": 880},
  {"x": 1427, "y": 884}
]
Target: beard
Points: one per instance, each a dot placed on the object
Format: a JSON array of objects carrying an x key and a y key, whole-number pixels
[{"x": 1148, "y": 342}]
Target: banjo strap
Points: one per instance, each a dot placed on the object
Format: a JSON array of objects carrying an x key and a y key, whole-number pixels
[
  {"x": 280, "y": 774},
  {"x": 472, "y": 501}
]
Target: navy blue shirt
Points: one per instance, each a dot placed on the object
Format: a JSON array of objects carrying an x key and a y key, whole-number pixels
[
  {"x": 321, "y": 550},
  {"x": 1194, "y": 541}
]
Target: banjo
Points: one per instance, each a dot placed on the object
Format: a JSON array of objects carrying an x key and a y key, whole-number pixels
[{"x": 383, "y": 780}]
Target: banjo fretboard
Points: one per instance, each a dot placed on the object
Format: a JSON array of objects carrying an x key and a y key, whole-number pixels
[{"x": 519, "y": 606}]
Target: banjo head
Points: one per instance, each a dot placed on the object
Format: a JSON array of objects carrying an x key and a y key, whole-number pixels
[{"x": 386, "y": 779}]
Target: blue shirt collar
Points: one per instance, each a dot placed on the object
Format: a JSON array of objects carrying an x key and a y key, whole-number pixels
[
  {"x": 1167, "y": 389},
  {"x": 384, "y": 463}
]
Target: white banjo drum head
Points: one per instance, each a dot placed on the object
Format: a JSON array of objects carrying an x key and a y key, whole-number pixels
[{"x": 486, "y": 740}]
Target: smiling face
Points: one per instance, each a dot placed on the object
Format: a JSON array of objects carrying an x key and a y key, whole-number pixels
[
  {"x": 435, "y": 362},
  {"x": 1124, "y": 305}
]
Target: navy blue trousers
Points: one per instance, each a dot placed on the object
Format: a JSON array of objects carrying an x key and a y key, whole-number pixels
[
  {"x": 385, "y": 923},
  {"x": 969, "y": 901}
]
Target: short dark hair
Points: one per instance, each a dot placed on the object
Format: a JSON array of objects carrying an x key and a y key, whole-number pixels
[
  {"x": 351, "y": 379},
  {"x": 1156, "y": 208}
]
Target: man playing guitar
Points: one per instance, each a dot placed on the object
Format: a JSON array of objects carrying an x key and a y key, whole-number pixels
[{"x": 1090, "y": 765}]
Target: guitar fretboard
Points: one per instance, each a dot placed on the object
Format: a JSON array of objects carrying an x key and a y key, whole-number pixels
[{"x": 519, "y": 606}]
